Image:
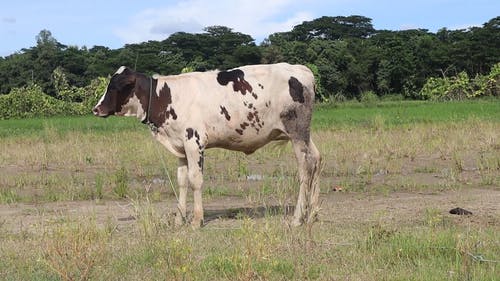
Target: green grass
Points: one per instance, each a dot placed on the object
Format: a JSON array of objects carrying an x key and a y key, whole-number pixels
[
  {"x": 350, "y": 114},
  {"x": 64, "y": 125},
  {"x": 399, "y": 113}
]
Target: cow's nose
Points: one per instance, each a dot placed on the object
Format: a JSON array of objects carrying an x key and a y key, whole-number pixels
[{"x": 95, "y": 110}]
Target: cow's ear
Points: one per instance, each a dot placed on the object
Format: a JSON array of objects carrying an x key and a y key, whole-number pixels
[{"x": 123, "y": 70}]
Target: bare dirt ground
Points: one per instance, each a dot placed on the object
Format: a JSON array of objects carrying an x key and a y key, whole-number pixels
[{"x": 340, "y": 208}]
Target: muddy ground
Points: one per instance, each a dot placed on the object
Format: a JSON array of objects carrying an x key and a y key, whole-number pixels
[{"x": 340, "y": 208}]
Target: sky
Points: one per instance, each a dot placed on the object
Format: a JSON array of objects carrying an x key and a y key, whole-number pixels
[{"x": 114, "y": 23}]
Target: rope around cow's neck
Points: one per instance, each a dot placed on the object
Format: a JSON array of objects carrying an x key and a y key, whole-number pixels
[
  {"x": 151, "y": 124},
  {"x": 148, "y": 121}
]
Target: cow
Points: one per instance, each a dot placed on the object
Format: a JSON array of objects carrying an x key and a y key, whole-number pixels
[{"x": 240, "y": 109}]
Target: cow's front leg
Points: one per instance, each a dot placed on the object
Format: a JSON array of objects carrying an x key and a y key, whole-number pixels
[
  {"x": 195, "y": 176},
  {"x": 194, "y": 148},
  {"x": 182, "y": 181}
]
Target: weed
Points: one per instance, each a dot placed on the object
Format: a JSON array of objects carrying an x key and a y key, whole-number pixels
[
  {"x": 99, "y": 185},
  {"x": 242, "y": 168},
  {"x": 150, "y": 222},
  {"x": 433, "y": 217},
  {"x": 121, "y": 179},
  {"x": 426, "y": 170},
  {"x": 74, "y": 251},
  {"x": 458, "y": 163},
  {"x": 8, "y": 196}
]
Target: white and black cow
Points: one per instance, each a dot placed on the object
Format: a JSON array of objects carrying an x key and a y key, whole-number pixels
[{"x": 240, "y": 109}]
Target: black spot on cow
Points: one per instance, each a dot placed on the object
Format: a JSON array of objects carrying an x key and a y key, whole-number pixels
[
  {"x": 200, "y": 161},
  {"x": 165, "y": 94},
  {"x": 254, "y": 95},
  {"x": 244, "y": 125},
  {"x": 190, "y": 133},
  {"x": 236, "y": 76},
  {"x": 261, "y": 86},
  {"x": 297, "y": 120},
  {"x": 239, "y": 131},
  {"x": 296, "y": 90},
  {"x": 224, "y": 112},
  {"x": 197, "y": 137},
  {"x": 160, "y": 106},
  {"x": 250, "y": 116},
  {"x": 171, "y": 113},
  {"x": 289, "y": 115}
]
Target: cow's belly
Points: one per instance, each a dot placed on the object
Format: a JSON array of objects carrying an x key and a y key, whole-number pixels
[{"x": 248, "y": 142}]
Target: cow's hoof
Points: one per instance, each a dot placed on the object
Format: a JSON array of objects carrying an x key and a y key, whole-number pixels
[
  {"x": 296, "y": 222},
  {"x": 196, "y": 224},
  {"x": 312, "y": 218}
]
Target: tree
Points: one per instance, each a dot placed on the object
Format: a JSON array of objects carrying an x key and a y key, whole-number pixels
[
  {"x": 46, "y": 57},
  {"x": 333, "y": 28}
]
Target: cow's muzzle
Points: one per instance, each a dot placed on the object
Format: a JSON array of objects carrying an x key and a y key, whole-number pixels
[{"x": 99, "y": 112}]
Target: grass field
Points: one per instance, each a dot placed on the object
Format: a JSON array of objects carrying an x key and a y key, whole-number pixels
[{"x": 83, "y": 198}]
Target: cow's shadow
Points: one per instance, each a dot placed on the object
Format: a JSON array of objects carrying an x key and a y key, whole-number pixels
[{"x": 248, "y": 212}]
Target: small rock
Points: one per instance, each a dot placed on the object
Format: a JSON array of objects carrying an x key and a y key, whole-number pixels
[
  {"x": 460, "y": 212},
  {"x": 337, "y": 188},
  {"x": 255, "y": 177},
  {"x": 158, "y": 181}
]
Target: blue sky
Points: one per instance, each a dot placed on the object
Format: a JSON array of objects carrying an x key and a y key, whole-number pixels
[{"x": 114, "y": 23}]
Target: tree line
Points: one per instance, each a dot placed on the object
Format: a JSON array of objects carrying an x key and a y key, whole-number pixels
[{"x": 347, "y": 54}]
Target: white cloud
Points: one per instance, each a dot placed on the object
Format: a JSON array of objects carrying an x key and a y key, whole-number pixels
[{"x": 256, "y": 18}]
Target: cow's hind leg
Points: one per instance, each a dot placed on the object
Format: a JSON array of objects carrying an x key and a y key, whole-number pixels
[
  {"x": 182, "y": 181},
  {"x": 308, "y": 161}
]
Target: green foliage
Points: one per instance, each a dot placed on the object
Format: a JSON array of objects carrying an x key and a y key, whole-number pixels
[
  {"x": 31, "y": 101},
  {"x": 369, "y": 98},
  {"x": 317, "y": 82},
  {"x": 187, "y": 69},
  {"x": 462, "y": 87}
]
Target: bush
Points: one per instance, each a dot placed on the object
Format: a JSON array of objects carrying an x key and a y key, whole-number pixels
[
  {"x": 30, "y": 101},
  {"x": 369, "y": 98},
  {"x": 461, "y": 87},
  {"x": 319, "y": 91}
]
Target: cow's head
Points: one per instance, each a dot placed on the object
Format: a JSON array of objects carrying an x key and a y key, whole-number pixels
[{"x": 119, "y": 97}]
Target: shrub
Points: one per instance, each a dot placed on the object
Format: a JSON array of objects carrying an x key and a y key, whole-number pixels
[
  {"x": 369, "y": 98},
  {"x": 461, "y": 87},
  {"x": 30, "y": 101},
  {"x": 320, "y": 92}
]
